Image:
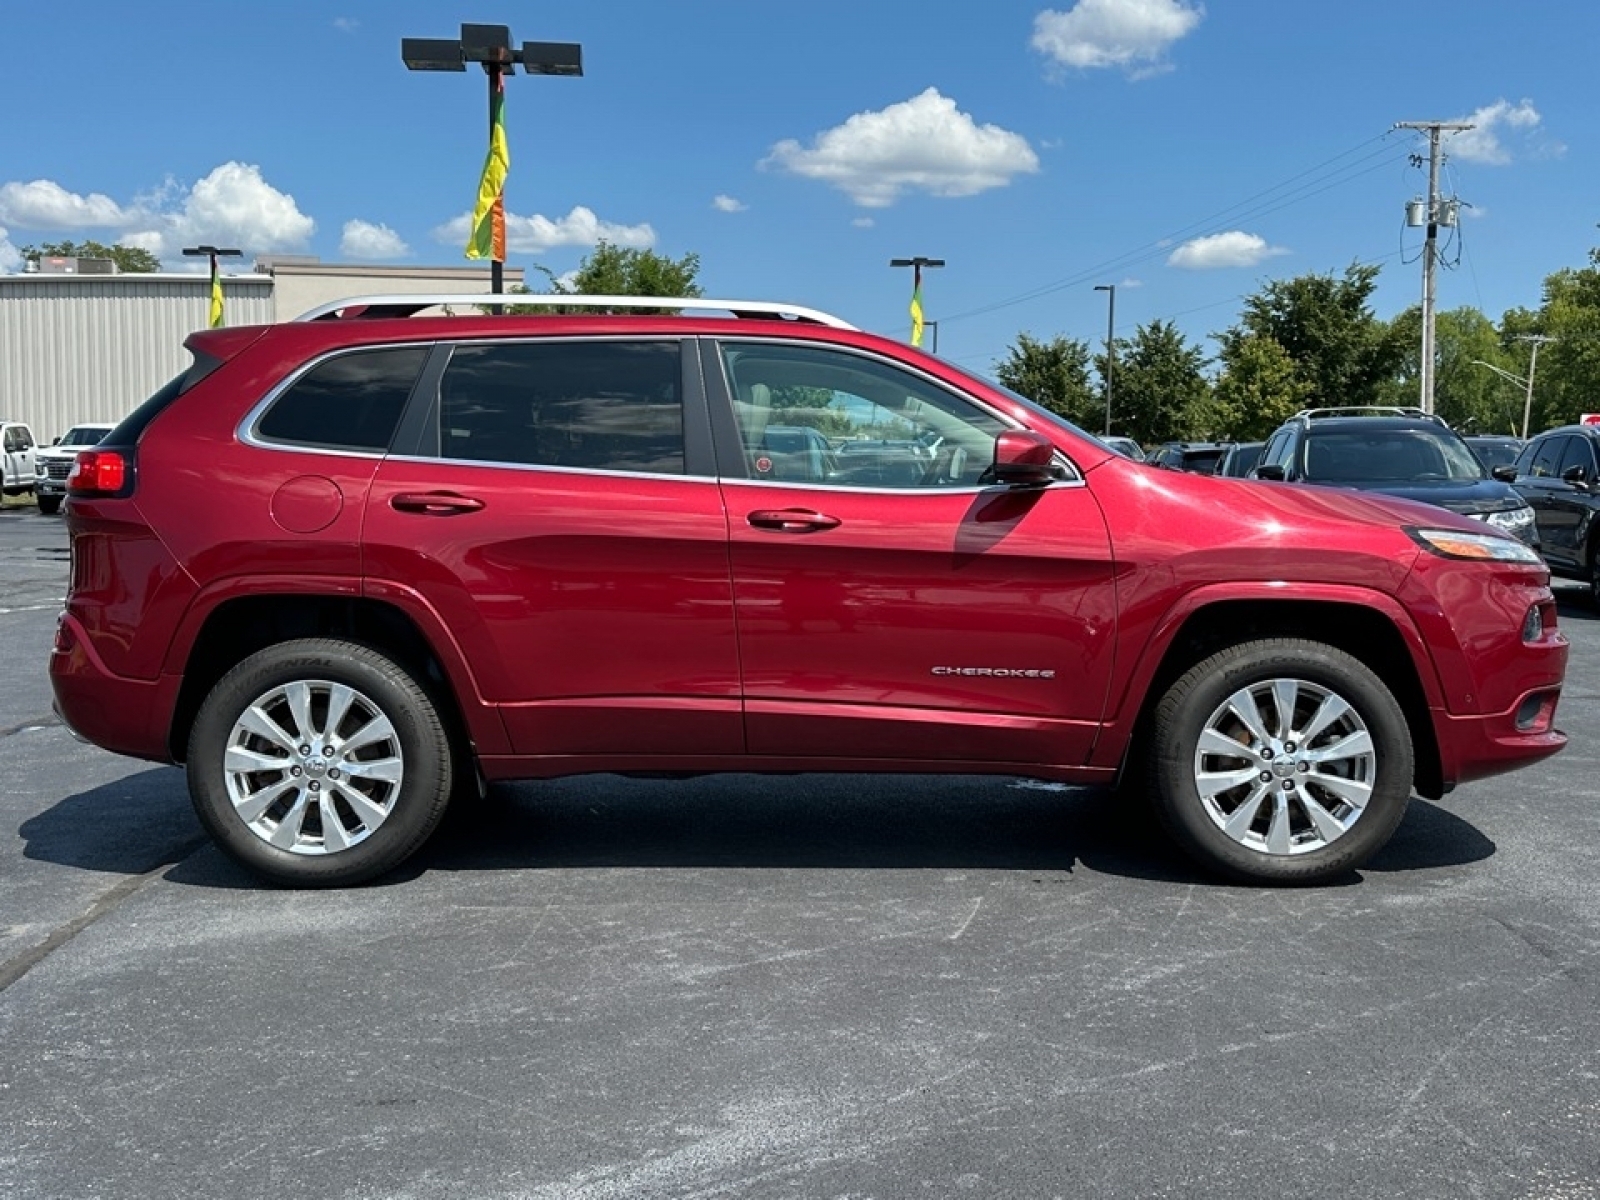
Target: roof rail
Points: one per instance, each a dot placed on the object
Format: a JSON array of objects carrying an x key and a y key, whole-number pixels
[
  {"x": 376, "y": 307},
  {"x": 1370, "y": 410}
]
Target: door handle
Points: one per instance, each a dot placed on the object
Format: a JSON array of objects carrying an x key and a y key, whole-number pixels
[
  {"x": 792, "y": 520},
  {"x": 435, "y": 504}
]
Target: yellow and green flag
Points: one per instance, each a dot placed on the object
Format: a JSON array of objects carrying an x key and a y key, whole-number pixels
[
  {"x": 216, "y": 294},
  {"x": 488, "y": 238},
  {"x": 916, "y": 306}
]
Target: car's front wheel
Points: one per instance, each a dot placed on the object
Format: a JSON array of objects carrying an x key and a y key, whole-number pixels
[
  {"x": 49, "y": 505},
  {"x": 1281, "y": 761},
  {"x": 318, "y": 763}
]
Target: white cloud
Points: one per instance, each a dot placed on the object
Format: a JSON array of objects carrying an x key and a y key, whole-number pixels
[
  {"x": 863, "y": 222},
  {"x": 535, "y": 234},
  {"x": 346, "y": 24},
  {"x": 727, "y": 204},
  {"x": 1132, "y": 34},
  {"x": 1483, "y": 143},
  {"x": 232, "y": 206},
  {"x": 372, "y": 243},
  {"x": 10, "y": 256},
  {"x": 45, "y": 204},
  {"x": 1232, "y": 249},
  {"x": 922, "y": 144}
]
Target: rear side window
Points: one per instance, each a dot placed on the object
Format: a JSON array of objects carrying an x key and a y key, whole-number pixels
[
  {"x": 604, "y": 406},
  {"x": 351, "y": 402}
]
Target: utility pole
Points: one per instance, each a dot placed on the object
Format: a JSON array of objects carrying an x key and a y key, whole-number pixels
[{"x": 1435, "y": 130}]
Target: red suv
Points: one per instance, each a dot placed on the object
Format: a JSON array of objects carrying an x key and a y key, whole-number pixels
[{"x": 350, "y": 567}]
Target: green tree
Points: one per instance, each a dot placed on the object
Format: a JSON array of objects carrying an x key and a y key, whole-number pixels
[
  {"x": 622, "y": 271},
  {"x": 1054, "y": 374},
  {"x": 1567, "y": 376},
  {"x": 1342, "y": 353},
  {"x": 1159, "y": 390},
  {"x": 129, "y": 259},
  {"x": 1258, "y": 388}
]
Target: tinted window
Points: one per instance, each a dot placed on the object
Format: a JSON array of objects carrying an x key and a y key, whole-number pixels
[
  {"x": 1279, "y": 449},
  {"x": 1578, "y": 454},
  {"x": 352, "y": 402},
  {"x": 84, "y": 435},
  {"x": 607, "y": 406},
  {"x": 1547, "y": 456}
]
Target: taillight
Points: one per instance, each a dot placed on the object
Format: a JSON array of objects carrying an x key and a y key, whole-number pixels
[{"x": 98, "y": 473}]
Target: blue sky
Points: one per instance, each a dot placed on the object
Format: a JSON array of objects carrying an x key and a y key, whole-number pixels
[{"x": 1187, "y": 153}]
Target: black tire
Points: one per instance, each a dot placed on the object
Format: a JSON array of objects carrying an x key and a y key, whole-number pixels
[
  {"x": 295, "y": 815},
  {"x": 1322, "y": 806},
  {"x": 49, "y": 505},
  {"x": 1594, "y": 573}
]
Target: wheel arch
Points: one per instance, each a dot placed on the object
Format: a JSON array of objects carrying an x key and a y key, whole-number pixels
[
  {"x": 240, "y": 626},
  {"x": 1381, "y": 639}
]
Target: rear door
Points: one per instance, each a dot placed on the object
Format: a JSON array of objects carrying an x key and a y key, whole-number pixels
[
  {"x": 557, "y": 509},
  {"x": 900, "y": 607},
  {"x": 1539, "y": 482}
]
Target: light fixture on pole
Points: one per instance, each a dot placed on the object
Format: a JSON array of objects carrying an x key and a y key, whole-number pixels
[
  {"x": 1110, "y": 289},
  {"x": 916, "y": 264},
  {"x": 213, "y": 253},
  {"x": 491, "y": 46},
  {"x": 1526, "y": 384}
]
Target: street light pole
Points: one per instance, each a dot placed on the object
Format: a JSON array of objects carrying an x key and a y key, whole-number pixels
[
  {"x": 1526, "y": 384},
  {"x": 212, "y": 253},
  {"x": 916, "y": 264},
  {"x": 491, "y": 46},
  {"x": 1110, "y": 289}
]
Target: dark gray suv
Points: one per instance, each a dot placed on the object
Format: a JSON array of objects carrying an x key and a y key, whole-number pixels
[
  {"x": 1557, "y": 475},
  {"x": 1400, "y": 452}
]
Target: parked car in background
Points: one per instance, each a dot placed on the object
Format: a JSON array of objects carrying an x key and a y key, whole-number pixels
[
  {"x": 53, "y": 463},
  {"x": 1495, "y": 450},
  {"x": 1239, "y": 460},
  {"x": 1558, "y": 473},
  {"x": 350, "y": 567},
  {"x": 1400, "y": 452},
  {"x": 16, "y": 458},
  {"x": 1199, "y": 457},
  {"x": 1126, "y": 447}
]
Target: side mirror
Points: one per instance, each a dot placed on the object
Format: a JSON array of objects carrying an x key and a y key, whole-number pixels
[
  {"x": 1023, "y": 458},
  {"x": 55, "y": 441},
  {"x": 1575, "y": 475},
  {"x": 1273, "y": 471},
  {"x": 1505, "y": 473}
]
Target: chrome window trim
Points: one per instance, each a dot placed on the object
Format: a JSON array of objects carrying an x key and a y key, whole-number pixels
[{"x": 559, "y": 470}]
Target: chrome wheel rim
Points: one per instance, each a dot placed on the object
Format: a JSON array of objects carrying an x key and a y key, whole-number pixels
[
  {"x": 1285, "y": 767},
  {"x": 313, "y": 767}
]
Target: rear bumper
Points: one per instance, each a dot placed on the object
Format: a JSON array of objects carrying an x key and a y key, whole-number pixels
[{"x": 124, "y": 716}]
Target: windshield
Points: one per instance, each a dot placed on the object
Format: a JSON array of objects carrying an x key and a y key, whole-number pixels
[
  {"x": 1032, "y": 405},
  {"x": 85, "y": 435},
  {"x": 1361, "y": 455}
]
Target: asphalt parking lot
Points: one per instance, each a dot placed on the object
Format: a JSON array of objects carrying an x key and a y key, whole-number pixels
[{"x": 810, "y": 987}]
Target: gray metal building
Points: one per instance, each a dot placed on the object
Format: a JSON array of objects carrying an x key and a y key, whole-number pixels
[{"x": 92, "y": 347}]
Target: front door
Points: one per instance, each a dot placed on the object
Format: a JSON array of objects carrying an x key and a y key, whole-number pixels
[{"x": 893, "y": 605}]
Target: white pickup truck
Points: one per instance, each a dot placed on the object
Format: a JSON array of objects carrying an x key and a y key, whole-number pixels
[
  {"x": 16, "y": 453},
  {"x": 53, "y": 463}
]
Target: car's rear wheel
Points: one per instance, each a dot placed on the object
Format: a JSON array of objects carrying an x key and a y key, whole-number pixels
[
  {"x": 317, "y": 763},
  {"x": 1594, "y": 572},
  {"x": 1281, "y": 761}
]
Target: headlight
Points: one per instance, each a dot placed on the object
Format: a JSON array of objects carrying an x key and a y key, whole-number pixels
[
  {"x": 1513, "y": 520},
  {"x": 1488, "y": 547}
]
